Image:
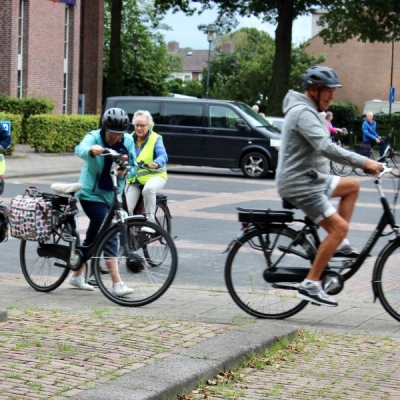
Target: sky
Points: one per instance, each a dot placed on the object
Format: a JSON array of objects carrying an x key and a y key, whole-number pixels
[{"x": 185, "y": 31}]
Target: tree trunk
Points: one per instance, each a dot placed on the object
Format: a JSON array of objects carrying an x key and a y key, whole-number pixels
[
  {"x": 114, "y": 81},
  {"x": 281, "y": 65}
]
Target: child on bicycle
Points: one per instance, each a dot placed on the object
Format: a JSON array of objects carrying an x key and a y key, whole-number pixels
[
  {"x": 96, "y": 195},
  {"x": 149, "y": 179}
]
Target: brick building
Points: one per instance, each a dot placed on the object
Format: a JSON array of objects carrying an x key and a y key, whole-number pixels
[
  {"x": 53, "y": 48},
  {"x": 364, "y": 69}
]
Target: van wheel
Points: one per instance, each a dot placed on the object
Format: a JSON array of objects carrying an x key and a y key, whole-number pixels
[{"x": 255, "y": 165}]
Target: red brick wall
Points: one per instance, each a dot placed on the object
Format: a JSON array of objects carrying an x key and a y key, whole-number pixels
[
  {"x": 9, "y": 46},
  {"x": 364, "y": 69}
]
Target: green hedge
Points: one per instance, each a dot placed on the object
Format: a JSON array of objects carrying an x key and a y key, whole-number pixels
[
  {"x": 58, "y": 133},
  {"x": 16, "y": 128}
]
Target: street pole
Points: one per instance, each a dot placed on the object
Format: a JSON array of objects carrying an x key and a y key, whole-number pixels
[
  {"x": 135, "y": 50},
  {"x": 208, "y": 64},
  {"x": 391, "y": 80}
]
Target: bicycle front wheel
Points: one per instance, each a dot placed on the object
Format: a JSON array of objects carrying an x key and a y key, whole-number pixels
[
  {"x": 148, "y": 277},
  {"x": 341, "y": 169},
  {"x": 254, "y": 252},
  {"x": 386, "y": 278},
  {"x": 43, "y": 269}
]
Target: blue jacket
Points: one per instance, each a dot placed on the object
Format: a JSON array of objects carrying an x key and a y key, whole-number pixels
[
  {"x": 93, "y": 168},
  {"x": 5, "y": 138},
  {"x": 369, "y": 131}
]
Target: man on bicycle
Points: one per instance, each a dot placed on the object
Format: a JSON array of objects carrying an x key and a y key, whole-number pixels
[
  {"x": 370, "y": 135},
  {"x": 303, "y": 177}
]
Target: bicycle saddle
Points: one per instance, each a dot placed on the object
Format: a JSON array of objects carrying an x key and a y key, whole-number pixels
[
  {"x": 288, "y": 206},
  {"x": 65, "y": 188}
]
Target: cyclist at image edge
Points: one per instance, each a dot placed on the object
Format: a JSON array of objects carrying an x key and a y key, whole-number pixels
[
  {"x": 303, "y": 175},
  {"x": 5, "y": 143},
  {"x": 96, "y": 194},
  {"x": 150, "y": 149},
  {"x": 370, "y": 135}
]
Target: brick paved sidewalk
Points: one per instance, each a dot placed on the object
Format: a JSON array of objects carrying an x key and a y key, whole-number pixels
[
  {"x": 330, "y": 366},
  {"x": 55, "y": 354}
]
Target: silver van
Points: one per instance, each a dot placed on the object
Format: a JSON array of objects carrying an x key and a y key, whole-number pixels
[{"x": 213, "y": 133}]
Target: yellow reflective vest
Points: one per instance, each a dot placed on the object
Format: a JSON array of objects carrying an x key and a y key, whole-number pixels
[{"x": 147, "y": 155}]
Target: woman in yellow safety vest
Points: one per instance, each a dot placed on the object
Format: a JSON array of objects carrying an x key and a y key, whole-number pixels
[{"x": 150, "y": 150}]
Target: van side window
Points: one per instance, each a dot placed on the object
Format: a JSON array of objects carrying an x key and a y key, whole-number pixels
[
  {"x": 182, "y": 114},
  {"x": 222, "y": 117},
  {"x": 130, "y": 107}
]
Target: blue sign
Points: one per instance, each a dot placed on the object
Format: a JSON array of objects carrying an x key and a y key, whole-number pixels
[
  {"x": 71, "y": 2},
  {"x": 7, "y": 126},
  {"x": 392, "y": 94}
]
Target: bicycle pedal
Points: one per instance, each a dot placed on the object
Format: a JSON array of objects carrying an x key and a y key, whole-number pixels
[{"x": 68, "y": 238}]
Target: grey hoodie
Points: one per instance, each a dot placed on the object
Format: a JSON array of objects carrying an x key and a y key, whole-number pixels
[{"x": 306, "y": 149}]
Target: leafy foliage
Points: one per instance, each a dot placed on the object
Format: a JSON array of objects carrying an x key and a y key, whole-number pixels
[
  {"x": 369, "y": 20},
  {"x": 246, "y": 73},
  {"x": 144, "y": 71}
]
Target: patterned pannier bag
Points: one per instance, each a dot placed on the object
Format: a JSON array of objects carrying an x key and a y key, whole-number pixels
[{"x": 31, "y": 217}]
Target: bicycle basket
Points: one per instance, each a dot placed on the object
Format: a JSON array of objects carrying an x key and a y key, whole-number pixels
[
  {"x": 4, "y": 214},
  {"x": 364, "y": 149}
]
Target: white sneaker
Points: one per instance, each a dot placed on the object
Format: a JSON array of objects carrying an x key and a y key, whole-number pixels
[
  {"x": 121, "y": 290},
  {"x": 79, "y": 282}
]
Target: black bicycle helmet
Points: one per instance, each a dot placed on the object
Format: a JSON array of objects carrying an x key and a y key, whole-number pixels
[
  {"x": 115, "y": 120},
  {"x": 321, "y": 77}
]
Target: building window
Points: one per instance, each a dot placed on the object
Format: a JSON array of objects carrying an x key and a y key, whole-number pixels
[
  {"x": 66, "y": 46},
  {"x": 20, "y": 48}
]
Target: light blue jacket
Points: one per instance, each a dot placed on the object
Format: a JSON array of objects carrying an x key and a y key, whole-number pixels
[{"x": 93, "y": 167}]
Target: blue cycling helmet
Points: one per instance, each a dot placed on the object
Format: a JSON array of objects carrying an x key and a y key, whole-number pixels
[{"x": 321, "y": 77}]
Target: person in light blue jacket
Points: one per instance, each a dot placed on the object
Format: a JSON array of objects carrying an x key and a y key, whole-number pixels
[{"x": 96, "y": 194}]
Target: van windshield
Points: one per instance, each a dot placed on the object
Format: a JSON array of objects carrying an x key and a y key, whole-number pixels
[{"x": 254, "y": 118}]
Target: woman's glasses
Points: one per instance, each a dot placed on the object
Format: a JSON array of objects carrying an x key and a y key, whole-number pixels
[{"x": 140, "y": 126}]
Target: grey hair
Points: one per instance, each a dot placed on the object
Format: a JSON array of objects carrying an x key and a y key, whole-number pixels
[
  {"x": 328, "y": 114},
  {"x": 144, "y": 113}
]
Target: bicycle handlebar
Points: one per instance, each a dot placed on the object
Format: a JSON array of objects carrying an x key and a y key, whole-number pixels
[{"x": 120, "y": 159}]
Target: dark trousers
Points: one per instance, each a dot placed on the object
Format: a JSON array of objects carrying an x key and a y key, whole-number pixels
[{"x": 382, "y": 146}]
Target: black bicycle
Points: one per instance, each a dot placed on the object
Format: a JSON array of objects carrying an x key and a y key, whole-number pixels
[
  {"x": 337, "y": 168},
  {"x": 266, "y": 264},
  {"x": 147, "y": 262}
]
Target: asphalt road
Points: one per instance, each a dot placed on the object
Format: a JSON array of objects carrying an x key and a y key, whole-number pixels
[{"x": 203, "y": 205}]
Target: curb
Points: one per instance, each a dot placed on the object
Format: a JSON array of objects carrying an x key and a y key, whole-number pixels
[{"x": 182, "y": 372}]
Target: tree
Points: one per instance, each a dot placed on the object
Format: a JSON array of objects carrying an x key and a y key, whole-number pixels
[
  {"x": 141, "y": 73},
  {"x": 280, "y": 12},
  {"x": 245, "y": 74},
  {"x": 369, "y": 20}
]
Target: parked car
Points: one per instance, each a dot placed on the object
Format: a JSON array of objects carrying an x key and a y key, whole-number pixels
[
  {"x": 213, "y": 133},
  {"x": 275, "y": 121}
]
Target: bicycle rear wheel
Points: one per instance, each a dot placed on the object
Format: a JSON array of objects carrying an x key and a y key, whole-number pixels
[
  {"x": 148, "y": 283},
  {"x": 340, "y": 169},
  {"x": 248, "y": 259},
  {"x": 45, "y": 273},
  {"x": 394, "y": 162},
  {"x": 386, "y": 278},
  {"x": 163, "y": 216}
]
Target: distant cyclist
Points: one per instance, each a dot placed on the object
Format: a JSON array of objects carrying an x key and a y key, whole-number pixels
[
  {"x": 370, "y": 135},
  {"x": 303, "y": 175}
]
